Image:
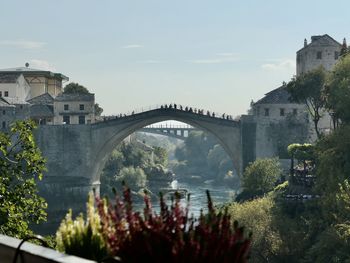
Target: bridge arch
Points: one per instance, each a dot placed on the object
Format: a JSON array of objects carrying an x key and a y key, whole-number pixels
[{"x": 108, "y": 134}]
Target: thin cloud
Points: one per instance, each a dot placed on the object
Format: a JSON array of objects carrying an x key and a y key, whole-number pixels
[
  {"x": 286, "y": 64},
  {"x": 132, "y": 46},
  {"x": 41, "y": 64},
  {"x": 218, "y": 59},
  {"x": 224, "y": 54},
  {"x": 24, "y": 44},
  {"x": 149, "y": 61}
]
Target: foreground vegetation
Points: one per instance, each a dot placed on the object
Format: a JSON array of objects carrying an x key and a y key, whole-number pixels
[
  {"x": 21, "y": 167},
  {"x": 305, "y": 230},
  {"x": 116, "y": 231}
]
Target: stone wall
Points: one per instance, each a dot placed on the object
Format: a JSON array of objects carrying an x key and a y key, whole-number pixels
[{"x": 323, "y": 52}]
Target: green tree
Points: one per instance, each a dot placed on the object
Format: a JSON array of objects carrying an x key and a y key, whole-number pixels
[
  {"x": 337, "y": 90},
  {"x": 21, "y": 166},
  {"x": 333, "y": 168},
  {"x": 218, "y": 161},
  {"x": 307, "y": 89},
  {"x": 133, "y": 177},
  {"x": 195, "y": 153},
  {"x": 98, "y": 109},
  {"x": 260, "y": 177},
  {"x": 75, "y": 88},
  {"x": 257, "y": 217},
  {"x": 160, "y": 156},
  {"x": 344, "y": 48}
]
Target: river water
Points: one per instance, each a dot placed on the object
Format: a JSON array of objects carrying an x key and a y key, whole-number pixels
[{"x": 220, "y": 194}]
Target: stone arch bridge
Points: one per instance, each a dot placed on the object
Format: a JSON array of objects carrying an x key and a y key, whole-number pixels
[{"x": 76, "y": 154}]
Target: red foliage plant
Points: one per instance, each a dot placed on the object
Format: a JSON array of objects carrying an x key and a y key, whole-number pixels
[{"x": 171, "y": 235}]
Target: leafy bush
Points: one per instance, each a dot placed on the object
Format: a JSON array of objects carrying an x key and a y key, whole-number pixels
[
  {"x": 301, "y": 152},
  {"x": 170, "y": 236},
  {"x": 82, "y": 238},
  {"x": 135, "y": 177},
  {"x": 21, "y": 167},
  {"x": 257, "y": 216},
  {"x": 259, "y": 178}
]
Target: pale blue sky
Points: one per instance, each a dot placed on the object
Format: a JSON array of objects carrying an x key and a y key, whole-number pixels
[{"x": 216, "y": 55}]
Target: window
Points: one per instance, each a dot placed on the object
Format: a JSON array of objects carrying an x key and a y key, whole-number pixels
[
  {"x": 6, "y": 94},
  {"x": 66, "y": 107},
  {"x": 81, "y": 119},
  {"x": 319, "y": 55},
  {"x": 282, "y": 112},
  {"x": 3, "y": 112},
  {"x": 267, "y": 111},
  {"x": 0, "y": 93},
  {"x": 336, "y": 55},
  {"x": 295, "y": 112},
  {"x": 66, "y": 119},
  {"x": 4, "y": 124},
  {"x": 81, "y": 106}
]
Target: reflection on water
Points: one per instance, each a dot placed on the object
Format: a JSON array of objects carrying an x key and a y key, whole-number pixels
[{"x": 220, "y": 194}]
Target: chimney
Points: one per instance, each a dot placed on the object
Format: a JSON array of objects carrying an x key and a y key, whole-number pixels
[{"x": 305, "y": 42}]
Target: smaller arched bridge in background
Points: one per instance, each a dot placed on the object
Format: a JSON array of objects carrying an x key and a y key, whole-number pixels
[{"x": 179, "y": 132}]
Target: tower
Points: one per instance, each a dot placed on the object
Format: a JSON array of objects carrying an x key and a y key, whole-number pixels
[{"x": 321, "y": 51}]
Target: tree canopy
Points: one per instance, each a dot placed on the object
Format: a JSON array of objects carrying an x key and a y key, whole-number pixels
[
  {"x": 337, "y": 90},
  {"x": 21, "y": 165},
  {"x": 75, "y": 88},
  {"x": 260, "y": 177},
  {"x": 307, "y": 89}
]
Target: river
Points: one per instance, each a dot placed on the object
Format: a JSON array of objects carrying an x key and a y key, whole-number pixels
[{"x": 220, "y": 194}]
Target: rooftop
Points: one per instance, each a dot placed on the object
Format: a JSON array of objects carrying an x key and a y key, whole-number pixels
[
  {"x": 40, "y": 110},
  {"x": 42, "y": 99},
  {"x": 4, "y": 103},
  {"x": 276, "y": 96},
  {"x": 8, "y": 78},
  {"x": 14, "y": 100},
  {"x": 323, "y": 40},
  {"x": 33, "y": 72},
  {"x": 75, "y": 97}
]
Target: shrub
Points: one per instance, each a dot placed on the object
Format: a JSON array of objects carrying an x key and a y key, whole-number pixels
[
  {"x": 82, "y": 238},
  {"x": 170, "y": 236},
  {"x": 259, "y": 178}
]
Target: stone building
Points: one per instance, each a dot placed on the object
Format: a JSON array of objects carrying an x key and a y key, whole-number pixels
[
  {"x": 7, "y": 114},
  {"x": 37, "y": 94},
  {"x": 280, "y": 121},
  {"x": 322, "y": 51},
  {"x": 41, "y": 109},
  {"x": 24, "y": 83},
  {"x": 74, "y": 109}
]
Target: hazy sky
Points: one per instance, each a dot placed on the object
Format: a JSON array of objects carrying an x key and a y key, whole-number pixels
[{"x": 216, "y": 55}]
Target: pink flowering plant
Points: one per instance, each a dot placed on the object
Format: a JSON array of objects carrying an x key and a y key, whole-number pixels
[{"x": 170, "y": 235}]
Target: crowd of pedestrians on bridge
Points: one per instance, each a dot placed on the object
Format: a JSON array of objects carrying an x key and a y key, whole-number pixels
[
  {"x": 196, "y": 111},
  {"x": 178, "y": 107}
]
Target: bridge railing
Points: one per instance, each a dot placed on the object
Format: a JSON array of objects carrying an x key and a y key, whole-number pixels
[
  {"x": 170, "y": 106},
  {"x": 169, "y": 126}
]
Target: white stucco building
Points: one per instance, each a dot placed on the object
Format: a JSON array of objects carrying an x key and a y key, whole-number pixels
[
  {"x": 24, "y": 83},
  {"x": 74, "y": 109},
  {"x": 37, "y": 94}
]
